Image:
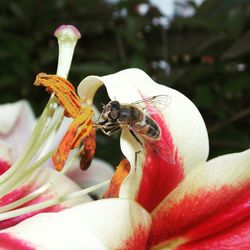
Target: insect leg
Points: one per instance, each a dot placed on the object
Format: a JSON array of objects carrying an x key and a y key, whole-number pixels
[
  {"x": 136, "y": 157},
  {"x": 113, "y": 130},
  {"x": 139, "y": 140},
  {"x": 108, "y": 128},
  {"x": 135, "y": 135}
]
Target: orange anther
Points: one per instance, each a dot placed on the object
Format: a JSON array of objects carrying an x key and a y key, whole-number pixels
[
  {"x": 88, "y": 150},
  {"x": 120, "y": 174},
  {"x": 63, "y": 90},
  {"x": 79, "y": 129}
]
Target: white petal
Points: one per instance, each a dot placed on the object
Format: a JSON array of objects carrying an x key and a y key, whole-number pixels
[
  {"x": 62, "y": 185},
  {"x": 231, "y": 168},
  {"x": 98, "y": 172},
  {"x": 103, "y": 224},
  {"x": 8, "y": 116},
  {"x": 16, "y": 123}
]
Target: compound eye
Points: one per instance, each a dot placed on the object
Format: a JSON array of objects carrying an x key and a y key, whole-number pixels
[{"x": 115, "y": 105}]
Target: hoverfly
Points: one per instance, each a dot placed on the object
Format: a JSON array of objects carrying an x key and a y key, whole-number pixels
[{"x": 137, "y": 118}]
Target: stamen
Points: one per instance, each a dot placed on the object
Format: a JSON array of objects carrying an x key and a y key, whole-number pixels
[
  {"x": 11, "y": 179},
  {"x": 63, "y": 90},
  {"x": 120, "y": 174},
  {"x": 35, "y": 142},
  {"x": 88, "y": 150},
  {"x": 19, "y": 179},
  {"x": 43, "y": 188},
  {"x": 79, "y": 129},
  {"x": 46, "y": 127},
  {"x": 51, "y": 202}
]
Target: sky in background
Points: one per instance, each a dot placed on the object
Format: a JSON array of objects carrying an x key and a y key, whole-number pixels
[{"x": 167, "y": 6}]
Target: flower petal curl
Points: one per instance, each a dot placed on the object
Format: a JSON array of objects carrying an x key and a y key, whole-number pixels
[{"x": 182, "y": 126}]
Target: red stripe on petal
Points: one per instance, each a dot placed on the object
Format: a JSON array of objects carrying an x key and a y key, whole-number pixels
[
  {"x": 235, "y": 238},
  {"x": 200, "y": 215},
  {"x": 8, "y": 242},
  {"x": 15, "y": 195},
  {"x": 234, "y": 212},
  {"x": 4, "y": 166},
  {"x": 137, "y": 241},
  {"x": 160, "y": 176}
]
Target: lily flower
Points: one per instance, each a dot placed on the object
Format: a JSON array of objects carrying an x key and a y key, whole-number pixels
[
  {"x": 28, "y": 184},
  {"x": 181, "y": 201}
]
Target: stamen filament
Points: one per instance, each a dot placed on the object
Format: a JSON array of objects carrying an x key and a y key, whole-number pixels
[
  {"x": 34, "y": 140},
  {"x": 24, "y": 199},
  {"x": 12, "y": 182},
  {"x": 45, "y": 187},
  {"x": 47, "y": 126},
  {"x": 20, "y": 178},
  {"x": 52, "y": 202}
]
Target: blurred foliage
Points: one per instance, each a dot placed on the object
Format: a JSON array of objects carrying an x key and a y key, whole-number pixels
[{"x": 205, "y": 56}]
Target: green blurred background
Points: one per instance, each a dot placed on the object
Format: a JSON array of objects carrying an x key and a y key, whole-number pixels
[{"x": 204, "y": 54}]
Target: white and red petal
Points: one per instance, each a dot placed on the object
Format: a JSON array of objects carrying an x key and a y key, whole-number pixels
[
  {"x": 62, "y": 186},
  {"x": 8, "y": 242},
  {"x": 103, "y": 224},
  {"x": 16, "y": 123},
  {"x": 5, "y": 157},
  {"x": 210, "y": 200},
  {"x": 236, "y": 237},
  {"x": 5, "y": 152},
  {"x": 185, "y": 136},
  {"x": 4, "y": 166}
]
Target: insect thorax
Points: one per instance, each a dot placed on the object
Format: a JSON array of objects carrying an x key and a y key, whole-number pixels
[{"x": 130, "y": 114}]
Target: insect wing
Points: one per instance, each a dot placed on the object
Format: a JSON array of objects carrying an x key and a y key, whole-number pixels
[
  {"x": 160, "y": 147},
  {"x": 153, "y": 104}
]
